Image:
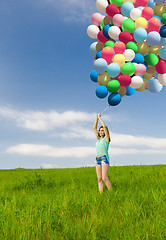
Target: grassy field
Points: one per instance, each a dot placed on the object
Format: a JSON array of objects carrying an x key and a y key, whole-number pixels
[{"x": 65, "y": 204}]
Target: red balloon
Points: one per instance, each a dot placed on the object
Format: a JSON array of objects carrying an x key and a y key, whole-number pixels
[
  {"x": 141, "y": 3},
  {"x": 124, "y": 80},
  {"x": 147, "y": 13},
  {"x": 125, "y": 37},
  {"x": 154, "y": 24},
  {"x": 107, "y": 53},
  {"x": 119, "y": 47},
  {"x": 101, "y": 37},
  {"x": 112, "y": 9},
  {"x": 160, "y": 67}
]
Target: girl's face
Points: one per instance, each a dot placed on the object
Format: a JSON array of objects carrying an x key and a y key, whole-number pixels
[{"x": 101, "y": 132}]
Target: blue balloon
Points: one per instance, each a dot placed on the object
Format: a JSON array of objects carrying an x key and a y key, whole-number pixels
[
  {"x": 93, "y": 50},
  {"x": 140, "y": 35},
  {"x": 151, "y": 3},
  {"x": 153, "y": 38},
  {"x": 105, "y": 30},
  {"x": 162, "y": 53},
  {"x": 154, "y": 86},
  {"x": 114, "y": 99},
  {"x": 101, "y": 92},
  {"x": 113, "y": 70},
  {"x": 126, "y": 8},
  {"x": 94, "y": 76},
  {"x": 139, "y": 58},
  {"x": 129, "y": 91},
  {"x": 158, "y": 1},
  {"x": 163, "y": 31},
  {"x": 98, "y": 54},
  {"x": 100, "y": 65}
]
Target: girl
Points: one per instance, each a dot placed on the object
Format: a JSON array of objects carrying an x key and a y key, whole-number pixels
[{"x": 102, "y": 158}]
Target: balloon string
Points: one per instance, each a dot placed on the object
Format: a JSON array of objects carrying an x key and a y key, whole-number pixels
[{"x": 105, "y": 109}]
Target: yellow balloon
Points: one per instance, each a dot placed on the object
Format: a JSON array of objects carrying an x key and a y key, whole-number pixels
[
  {"x": 149, "y": 72},
  {"x": 119, "y": 59},
  {"x": 140, "y": 22},
  {"x": 122, "y": 91},
  {"x": 103, "y": 79},
  {"x": 143, "y": 87},
  {"x": 143, "y": 48},
  {"x": 159, "y": 9},
  {"x": 155, "y": 49},
  {"x": 99, "y": 46},
  {"x": 132, "y": 1}
]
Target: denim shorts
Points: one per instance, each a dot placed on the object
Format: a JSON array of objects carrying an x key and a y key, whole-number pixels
[{"x": 102, "y": 160}]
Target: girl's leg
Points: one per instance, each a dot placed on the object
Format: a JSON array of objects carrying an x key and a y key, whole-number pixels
[
  {"x": 99, "y": 176},
  {"x": 105, "y": 168}
]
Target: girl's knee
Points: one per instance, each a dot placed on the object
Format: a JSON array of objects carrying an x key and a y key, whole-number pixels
[
  {"x": 100, "y": 179},
  {"x": 105, "y": 179}
]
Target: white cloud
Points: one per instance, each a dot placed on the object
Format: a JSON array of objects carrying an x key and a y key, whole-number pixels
[{"x": 73, "y": 10}]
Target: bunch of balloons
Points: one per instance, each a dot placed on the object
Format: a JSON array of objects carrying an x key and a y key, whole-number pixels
[{"x": 130, "y": 53}]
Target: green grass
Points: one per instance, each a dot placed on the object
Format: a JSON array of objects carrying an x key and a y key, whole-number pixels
[{"x": 65, "y": 204}]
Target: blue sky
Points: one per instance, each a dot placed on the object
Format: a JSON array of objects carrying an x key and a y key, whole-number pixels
[{"x": 47, "y": 101}]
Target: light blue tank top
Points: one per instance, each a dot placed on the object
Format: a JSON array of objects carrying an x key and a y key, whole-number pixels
[{"x": 102, "y": 147}]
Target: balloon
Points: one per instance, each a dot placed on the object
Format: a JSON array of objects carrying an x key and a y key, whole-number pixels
[
  {"x": 99, "y": 46},
  {"x": 122, "y": 91},
  {"x": 129, "y": 91},
  {"x": 124, "y": 80},
  {"x": 140, "y": 22},
  {"x": 93, "y": 50},
  {"x": 136, "y": 82},
  {"x": 154, "y": 24},
  {"x": 143, "y": 48},
  {"x": 113, "y": 70},
  {"x": 107, "y": 20},
  {"x": 94, "y": 76},
  {"x": 101, "y": 92},
  {"x": 100, "y": 65},
  {"x": 128, "y": 69},
  {"x": 112, "y": 10},
  {"x": 135, "y": 13},
  {"x": 119, "y": 47},
  {"x": 147, "y": 13},
  {"x": 96, "y": 19},
  {"x": 143, "y": 87},
  {"x": 118, "y": 19},
  {"x": 154, "y": 86},
  {"x": 92, "y": 31},
  {"x": 163, "y": 31},
  {"x": 114, "y": 32},
  {"x": 114, "y": 99},
  {"x": 108, "y": 53},
  {"x": 98, "y": 55},
  {"x": 101, "y": 5},
  {"x": 128, "y": 25},
  {"x": 105, "y": 31},
  {"x": 118, "y": 3},
  {"x": 163, "y": 18},
  {"x": 161, "y": 67},
  {"x": 162, "y": 79},
  {"x": 149, "y": 72},
  {"x": 151, "y": 59},
  {"x": 140, "y": 70},
  {"x": 110, "y": 44},
  {"x": 101, "y": 37},
  {"x": 153, "y": 38},
  {"x": 126, "y": 8},
  {"x": 162, "y": 53},
  {"x": 113, "y": 86},
  {"x": 140, "y": 35},
  {"x": 103, "y": 79},
  {"x": 129, "y": 54},
  {"x": 155, "y": 49},
  {"x": 159, "y": 9},
  {"x": 142, "y": 3},
  {"x": 132, "y": 46},
  {"x": 119, "y": 59},
  {"x": 163, "y": 41},
  {"x": 138, "y": 58},
  {"x": 125, "y": 37}
]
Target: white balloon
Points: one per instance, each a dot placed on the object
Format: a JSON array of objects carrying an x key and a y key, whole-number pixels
[
  {"x": 154, "y": 86},
  {"x": 135, "y": 13},
  {"x": 114, "y": 32},
  {"x": 101, "y": 5},
  {"x": 162, "y": 78},
  {"x": 136, "y": 82},
  {"x": 129, "y": 54},
  {"x": 92, "y": 31}
]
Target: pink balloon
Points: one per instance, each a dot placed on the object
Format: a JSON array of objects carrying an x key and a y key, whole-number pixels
[
  {"x": 96, "y": 19},
  {"x": 118, "y": 19},
  {"x": 101, "y": 37},
  {"x": 108, "y": 53},
  {"x": 119, "y": 47},
  {"x": 140, "y": 70}
]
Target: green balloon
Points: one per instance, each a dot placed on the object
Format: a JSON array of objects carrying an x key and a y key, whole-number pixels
[
  {"x": 132, "y": 46},
  {"x": 110, "y": 44},
  {"x": 128, "y": 68},
  {"x": 102, "y": 24},
  {"x": 151, "y": 59},
  {"x": 113, "y": 86},
  {"x": 163, "y": 18},
  {"x": 128, "y": 25},
  {"x": 118, "y": 3}
]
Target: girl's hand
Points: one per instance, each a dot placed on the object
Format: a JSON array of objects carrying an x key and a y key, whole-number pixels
[{"x": 99, "y": 115}]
